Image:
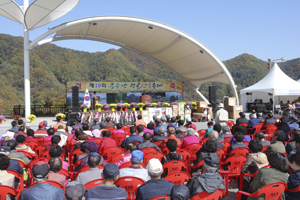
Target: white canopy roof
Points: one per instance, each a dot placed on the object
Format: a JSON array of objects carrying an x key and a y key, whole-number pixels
[
  {"x": 277, "y": 82},
  {"x": 174, "y": 49}
]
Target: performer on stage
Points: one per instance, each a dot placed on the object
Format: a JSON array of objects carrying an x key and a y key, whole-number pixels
[
  {"x": 144, "y": 92},
  {"x": 96, "y": 99}
]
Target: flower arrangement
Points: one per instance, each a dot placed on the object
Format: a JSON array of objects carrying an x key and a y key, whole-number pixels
[
  {"x": 2, "y": 118},
  {"x": 98, "y": 105},
  {"x": 127, "y": 105},
  {"x": 105, "y": 105},
  {"x": 182, "y": 103},
  {"x": 154, "y": 104},
  {"x": 194, "y": 104},
  {"x": 148, "y": 104},
  {"x": 120, "y": 105},
  {"x": 160, "y": 104},
  {"x": 167, "y": 104},
  {"x": 31, "y": 117},
  {"x": 83, "y": 106},
  {"x": 133, "y": 105},
  {"x": 174, "y": 103},
  {"x": 113, "y": 105},
  {"x": 16, "y": 117},
  {"x": 188, "y": 103},
  {"x": 69, "y": 108},
  {"x": 61, "y": 115},
  {"x": 141, "y": 105}
]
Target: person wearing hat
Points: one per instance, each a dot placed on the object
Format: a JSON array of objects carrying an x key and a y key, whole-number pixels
[
  {"x": 135, "y": 169},
  {"x": 193, "y": 126},
  {"x": 96, "y": 133},
  {"x": 180, "y": 192},
  {"x": 75, "y": 190},
  {"x": 190, "y": 138},
  {"x": 60, "y": 122},
  {"x": 96, "y": 124},
  {"x": 156, "y": 186},
  {"x": 93, "y": 173},
  {"x": 293, "y": 123},
  {"x": 42, "y": 190},
  {"x": 210, "y": 181},
  {"x": 291, "y": 146},
  {"x": 107, "y": 190},
  {"x": 221, "y": 115},
  {"x": 41, "y": 131}
]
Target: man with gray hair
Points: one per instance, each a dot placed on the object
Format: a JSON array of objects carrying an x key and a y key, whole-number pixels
[
  {"x": 164, "y": 120},
  {"x": 42, "y": 189},
  {"x": 160, "y": 134},
  {"x": 135, "y": 169},
  {"x": 211, "y": 180},
  {"x": 156, "y": 186},
  {"x": 226, "y": 131}
]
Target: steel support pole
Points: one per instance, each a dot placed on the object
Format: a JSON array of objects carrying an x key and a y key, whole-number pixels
[{"x": 26, "y": 65}]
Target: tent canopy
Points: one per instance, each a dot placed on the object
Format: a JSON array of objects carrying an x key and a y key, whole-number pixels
[
  {"x": 185, "y": 56},
  {"x": 277, "y": 82}
]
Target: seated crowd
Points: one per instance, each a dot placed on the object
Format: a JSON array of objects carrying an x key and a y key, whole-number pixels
[{"x": 168, "y": 157}]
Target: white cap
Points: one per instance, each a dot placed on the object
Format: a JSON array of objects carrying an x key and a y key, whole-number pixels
[
  {"x": 221, "y": 105},
  {"x": 154, "y": 166},
  {"x": 9, "y": 134},
  {"x": 96, "y": 133}
]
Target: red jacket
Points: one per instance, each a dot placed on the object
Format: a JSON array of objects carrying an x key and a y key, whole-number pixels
[{"x": 107, "y": 142}]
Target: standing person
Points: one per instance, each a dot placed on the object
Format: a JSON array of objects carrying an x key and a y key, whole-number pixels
[
  {"x": 107, "y": 190},
  {"x": 221, "y": 115}
]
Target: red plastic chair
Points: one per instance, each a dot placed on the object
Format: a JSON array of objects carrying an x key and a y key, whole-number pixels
[
  {"x": 178, "y": 178},
  {"x": 165, "y": 150},
  {"x": 4, "y": 190},
  {"x": 149, "y": 150},
  {"x": 272, "y": 191},
  {"x": 230, "y": 123},
  {"x": 18, "y": 176},
  {"x": 205, "y": 196},
  {"x": 130, "y": 184},
  {"x": 221, "y": 153},
  {"x": 39, "y": 150},
  {"x": 93, "y": 184},
  {"x": 27, "y": 154},
  {"x": 256, "y": 129},
  {"x": 119, "y": 137},
  {"x": 161, "y": 197},
  {"x": 40, "y": 139},
  {"x": 186, "y": 155},
  {"x": 236, "y": 164},
  {"x": 117, "y": 158},
  {"x": 110, "y": 152},
  {"x": 67, "y": 174},
  {"x": 246, "y": 142},
  {"x": 269, "y": 129},
  {"x": 74, "y": 154},
  {"x": 158, "y": 142},
  {"x": 175, "y": 166},
  {"x": 234, "y": 127},
  {"x": 297, "y": 189},
  {"x": 226, "y": 145},
  {"x": 193, "y": 148},
  {"x": 201, "y": 133},
  {"x": 97, "y": 140},
  {"x": 264, "y": 148},
  {"x": 239, "y": 151},
  {"x": 32, "y": 145},
  {"x": 125, "y": 165},
  {"x": 149, "y": 156}
]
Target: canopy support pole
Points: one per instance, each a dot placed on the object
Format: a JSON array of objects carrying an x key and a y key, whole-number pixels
[
  {"x": 273, "y": 101},
  {"x": 201, "y": 95}
]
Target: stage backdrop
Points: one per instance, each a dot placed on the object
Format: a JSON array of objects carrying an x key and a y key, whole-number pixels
[{"x": 115, "y": 92}]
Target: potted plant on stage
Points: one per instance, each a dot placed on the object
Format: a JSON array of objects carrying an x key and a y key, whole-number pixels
[
  {"x": 166, "y": 104},
  {"x": 31, "y": 118},
  {"x": 61, "y": 115},
  {"x": 154, "y": 105},
  {"x": 194, "y": 104},
  {"x": 147, "y": 105},
  {"x": 141, "y": 106},
  {"x": 69, "y": 108},
  {"x": 16, "y": 117},
  {"x": 106, "y": 107},
  {"x": 126, "y": 106},
  {"x": 160, "y": 104},
  {"x": 2, "y": 118},
  {"x": 98, "y": 106},
  {"x": 84, "y": 107},
  {"x": 188, "y": 105},
  {"x": 174, "y": 103},
  {"x": 133, "y": 105},
  {"x": 113, "y": 106},
  {"x": 120, "y": 106}
]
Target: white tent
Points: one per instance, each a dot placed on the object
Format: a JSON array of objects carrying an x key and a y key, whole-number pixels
[
  {"x": 299, "y": 80},
  {"x": 276, "y": 84}
]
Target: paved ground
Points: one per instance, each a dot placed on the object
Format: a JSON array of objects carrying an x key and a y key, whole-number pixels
[{"x": 51, "y": 121}]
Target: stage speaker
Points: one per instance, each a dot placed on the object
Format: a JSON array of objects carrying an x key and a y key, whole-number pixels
[
  {"x": 75, "y": 99},
  {"x": 212, "y": 97},
  {"x": 72, "y": 118}
]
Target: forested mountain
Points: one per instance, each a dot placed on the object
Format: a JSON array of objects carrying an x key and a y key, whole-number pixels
[{"x": 52, "y": 66}]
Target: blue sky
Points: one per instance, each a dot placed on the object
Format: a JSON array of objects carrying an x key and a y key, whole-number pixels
[{"x": 263, "y": 28}]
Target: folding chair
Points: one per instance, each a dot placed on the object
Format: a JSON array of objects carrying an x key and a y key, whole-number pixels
[
  {"x": 93, "y": 184},
  {"x": 130, "y": 184},
  {"x": 178, "y": 178},
  {"x": 272, "y": 191},
  {"x": 205, "y": 196}
]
